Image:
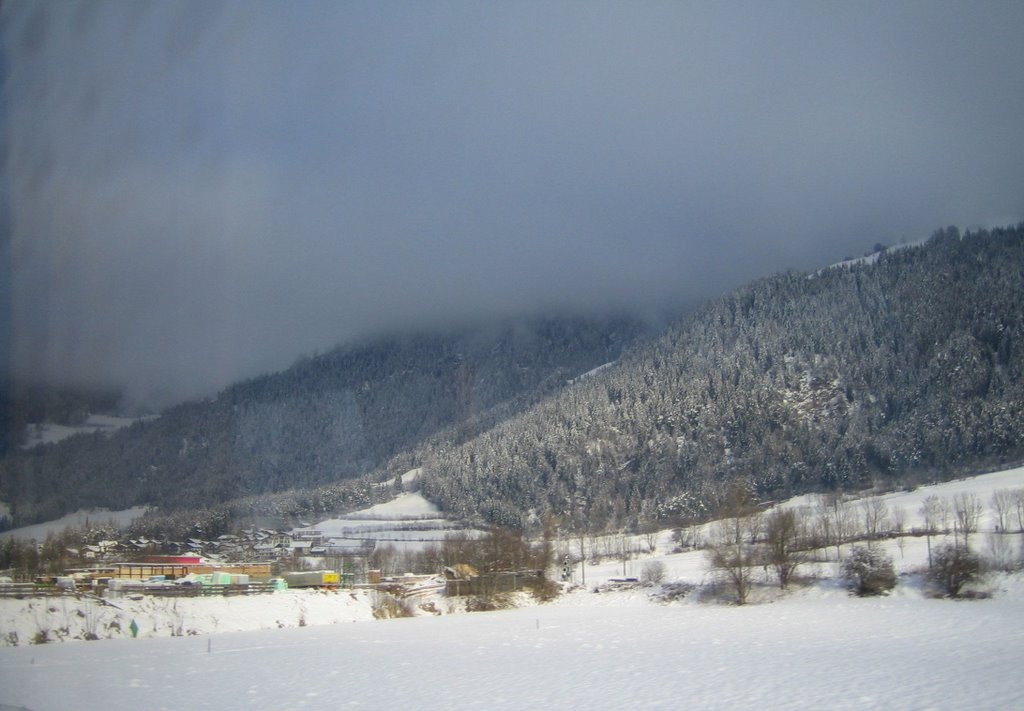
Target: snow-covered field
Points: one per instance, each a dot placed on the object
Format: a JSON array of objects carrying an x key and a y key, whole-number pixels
[
  {"x": 609, "y": 650},
  {"x": 408, "y": 522},
  {"x": 814, "y": 647},
  {"x": 49, "y": 432},
  {"x": 82, "y": 517}
]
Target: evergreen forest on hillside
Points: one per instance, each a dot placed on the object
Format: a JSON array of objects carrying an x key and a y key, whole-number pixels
[
  {"x": 325, "y": 421},
  {"x": 887, "y": 371},
  {"x": 882, "y": 371}
]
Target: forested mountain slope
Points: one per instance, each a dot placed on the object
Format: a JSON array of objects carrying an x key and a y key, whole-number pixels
[
  {"x": 892, "y": 370},
  {"x": 326, "y": 419},
  {"x": 909, "y": 366}
]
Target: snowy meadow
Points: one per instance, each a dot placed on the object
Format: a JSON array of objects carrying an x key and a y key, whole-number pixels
[
  {"x": 596, "y": 646},
  {"x": 585, "y": 651}
]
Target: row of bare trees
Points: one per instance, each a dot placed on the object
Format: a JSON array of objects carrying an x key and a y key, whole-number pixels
[
  {"x": 746, "y": 538},
  {"x": 495, "y": 550}
]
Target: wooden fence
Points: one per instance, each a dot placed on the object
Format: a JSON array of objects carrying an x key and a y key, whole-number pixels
[
  {"x": 24, "y": 590},
  {"x": 199, "y": 590}
]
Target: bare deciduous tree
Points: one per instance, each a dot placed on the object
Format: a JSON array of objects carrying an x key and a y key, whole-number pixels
[
  {"x": 624, "y": 549},
  {"x": 732, "y": 550},
  {"x": 898, "y": 523},
  {"x": 875, "y": 513},
  {"x": 955, "y": 566},
  {"x": 653, "y": 573},
  {"x": 687, "y": 537},
  {"x": 967, "y": 509},
  {"x": 784, "y": 533},
  {"x": 733, "y": 553},
  {"x": 1002, "y": 507},
  {"x": 945, "y": 514},
  {"x": 651, "y": 534},
  {"x": 823, "y": 521},
  {"x": 842, "y": 521},
  {"x": 1000, "y": 551},
  {"x": 1018, "y": 504},
  {"x": 931, "y": 512}
]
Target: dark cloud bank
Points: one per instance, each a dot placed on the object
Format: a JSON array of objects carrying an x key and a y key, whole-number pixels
[{"x": 195, "y": 192}]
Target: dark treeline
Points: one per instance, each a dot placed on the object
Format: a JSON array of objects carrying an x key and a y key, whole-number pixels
[
  {"x": 23, "y": 404},
  {"x": 327, "y": 419},
  {"x": 880, "y": 372}
]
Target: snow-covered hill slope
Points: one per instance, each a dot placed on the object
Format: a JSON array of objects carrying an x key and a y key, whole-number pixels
[
  {"x": 80, "y": 518},
  {"x": 408, "y": 522},
  {"x": 51, "y": 433},
  {"x": 909, "y": 553}
]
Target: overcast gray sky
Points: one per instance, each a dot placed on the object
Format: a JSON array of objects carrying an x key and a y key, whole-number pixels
[{"x": 200, "y": 191}]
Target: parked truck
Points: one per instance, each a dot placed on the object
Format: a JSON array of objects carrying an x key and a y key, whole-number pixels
[{"x": 313, "y": 579}]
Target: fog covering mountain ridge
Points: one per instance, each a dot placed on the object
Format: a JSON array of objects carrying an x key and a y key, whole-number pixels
[
  {"x": 328, "y": 418},
  {"x": 882, "y": 372},
  {"x": 885, "y": 373}
]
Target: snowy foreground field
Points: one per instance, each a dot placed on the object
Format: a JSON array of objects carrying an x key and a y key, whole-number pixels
[
  {"x": 813, "y": 647},
  {"x": 614, "y": 650}
]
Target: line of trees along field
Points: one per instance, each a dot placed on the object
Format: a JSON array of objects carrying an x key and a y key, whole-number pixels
[
  {"x": 902, "y": 368},
  {"x": 747, "y": 541}
]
